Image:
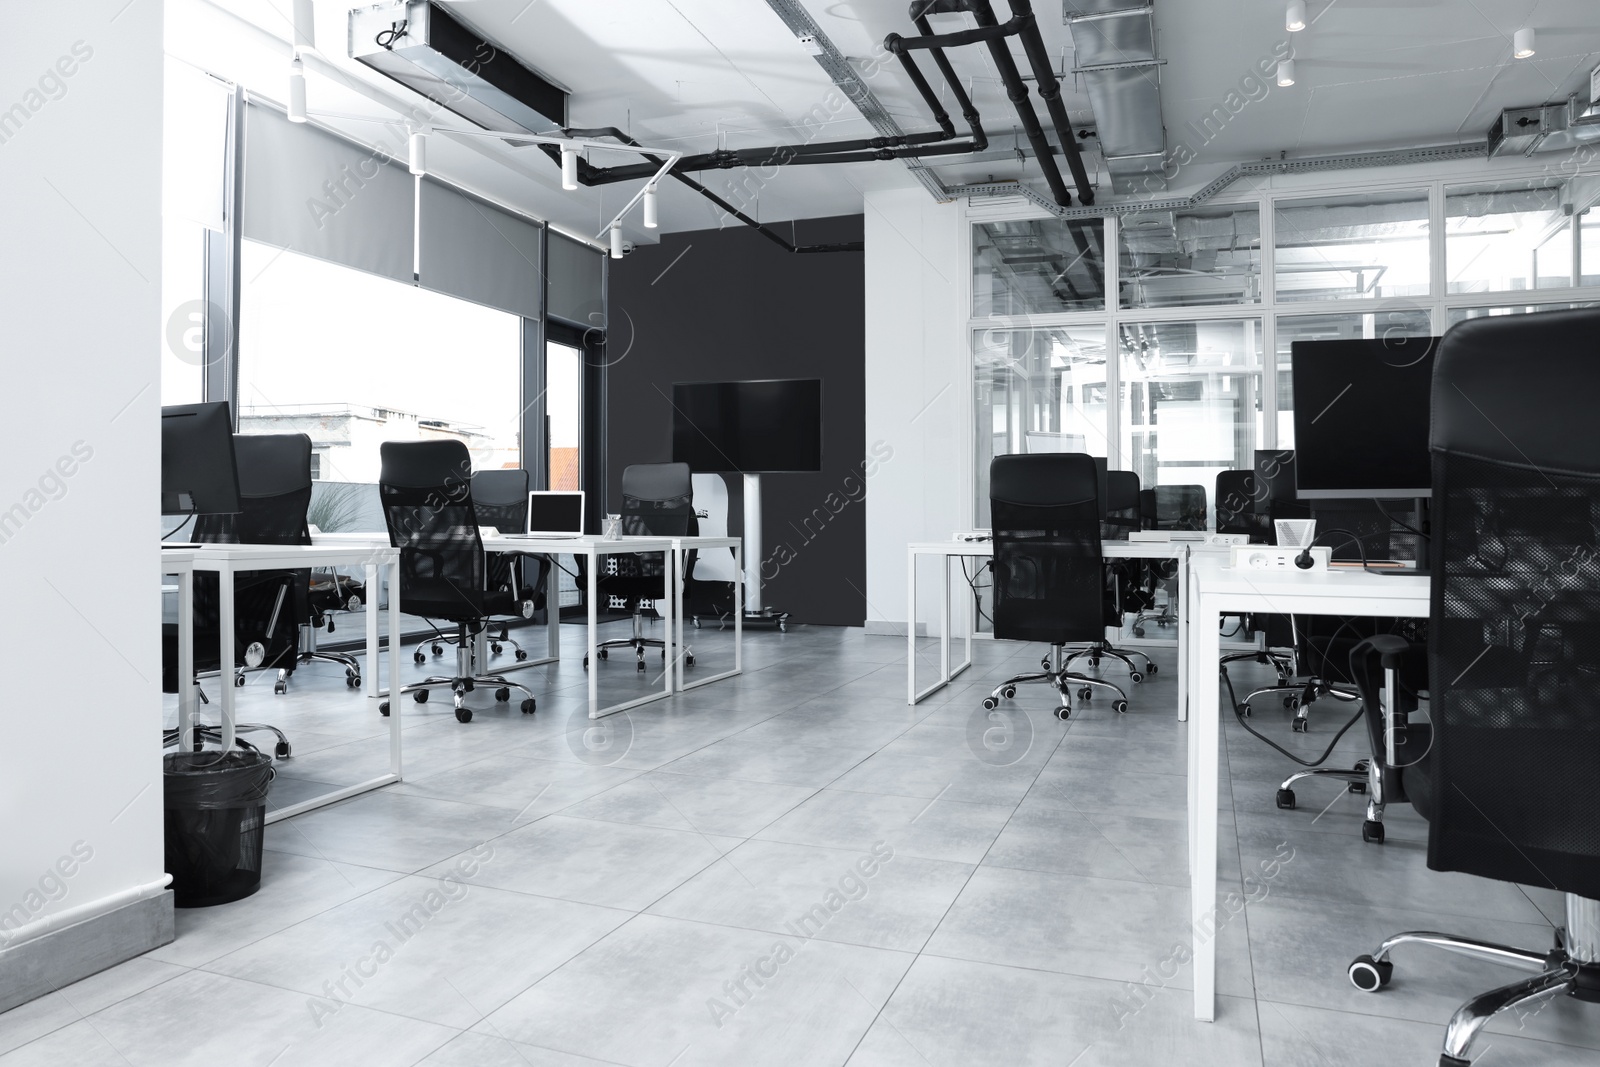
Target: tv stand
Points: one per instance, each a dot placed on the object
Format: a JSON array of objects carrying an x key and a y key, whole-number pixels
[{"x": 756, "y": 613}]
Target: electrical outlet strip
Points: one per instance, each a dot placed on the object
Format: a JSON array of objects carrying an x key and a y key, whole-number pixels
[
  {"x": 1228, "y": 539},
  {"x": 972, "y": 535},
  {"x": 1274, "y": 558},
  {"x": 1159, "y": 537}
]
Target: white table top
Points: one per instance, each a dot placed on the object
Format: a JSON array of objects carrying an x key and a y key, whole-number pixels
[
  {"x": 578, "y": 545},
  {"x": 1114, "y": 549},
  {"x": 1405, "y": 593}
]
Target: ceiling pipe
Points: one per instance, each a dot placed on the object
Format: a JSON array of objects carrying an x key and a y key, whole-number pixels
[{"x": 1049, "y": 89}]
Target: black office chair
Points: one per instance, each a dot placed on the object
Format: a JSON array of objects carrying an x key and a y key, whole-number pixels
[
  {"x": 1167, "y": 507},
  {"x": 425, "y": 487},
  {"x": 1049, "y": 575},
  {"x": 1242, "y": 509},
  {"x": 274, "y": 495},
  {"x": 1123, "y": 592},
  {"x": 1508, "y": 778},
  {"x": 657, "y": 501}
]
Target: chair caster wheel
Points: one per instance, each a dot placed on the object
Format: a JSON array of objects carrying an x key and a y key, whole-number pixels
[
  {"x": 283, "y": 751},
  {"x": 586, "y": 663},
  {"x": 1086, "y": 693},
  {"x": 1292, "y": 703},
  {"x": 1135, "y": 677},
  {"x": 420, "y": 696},
  {"x": 280, "y": 688},
  {"x": 502, "y": 695},
  {"x": 1045, "y": 663},
  {"x": 419, "y": 656},
  {"x": 688, "y": 659},
  {"x": 1138, "y": 631},
  {"x": 238, "y": 681},
  {"x": 604, "y": 654},
  {"x": 529, "y": 706},
  {"x": 663, "y": 655},
  {"x": 1009, "y": 692},
  {"x": 783, "y": 627},
  {"x": 1286, "y": 799},
  {"x": 1370, "y": 975},
  {"x": 521, "y": 654},
  {"x": 1094, "y": 661},
  {"x": 352, "y": 680},
  {"x": 495, "y": 648},
  {"x": 463, "y": 715},
  {"x": 990, "y": 703},
  {"x": 1153, "y": 668},
  {"x": 1120, "y": 707},
  {"x": 1244, "y": 710},
  {"x": 640, "y": 665},
  {"x": 1358, "y": 788},
  {"x": 1300, "y": 726},
  {"x": 383, "y": 709},
  {"x": 438, "y": 651},
  {"x": 1063, "y": 711},
  {"x": 1372, "y": 832}
]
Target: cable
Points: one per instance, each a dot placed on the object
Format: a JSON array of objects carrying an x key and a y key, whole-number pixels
[
  {"x": 972, "y": 583},
  {"x": 1418, "y": 533},
  {"x": 387, "y": 38},
  {"x": 1319, "y": 761},
  {"x": 186, "y": 520}
]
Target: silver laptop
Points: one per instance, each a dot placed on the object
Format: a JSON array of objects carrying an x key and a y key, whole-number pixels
[{"x": 555, "y": 513}]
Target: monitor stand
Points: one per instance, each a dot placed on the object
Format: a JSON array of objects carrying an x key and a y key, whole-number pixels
[
  {"x": 1421, "y": 569},
  {"x": 756, "y": 613}
]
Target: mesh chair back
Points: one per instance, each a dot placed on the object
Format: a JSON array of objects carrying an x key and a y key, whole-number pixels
[
  {"x": 426, "y": 491},
  {"x": 500, "y": 499},
  {"x": 658, "y": 501},
  {"x": 1242, "y": 505},
  {"x": 1514, "y": 633},
  {"x": 1122, "y": 506},
  {"x": 1174, "y": 507},
  {"x": 1048, "y": 573}
]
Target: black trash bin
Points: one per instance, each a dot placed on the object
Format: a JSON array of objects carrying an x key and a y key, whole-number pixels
[{"x": 216, "y": 807}]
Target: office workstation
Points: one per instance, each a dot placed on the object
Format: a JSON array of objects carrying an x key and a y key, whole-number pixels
[{"x": 821, "y": 534}]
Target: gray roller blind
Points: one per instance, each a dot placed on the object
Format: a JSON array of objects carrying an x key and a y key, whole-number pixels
[
  {"x": 313, "y": 193},
  {"x": 478, "y": 252},
  {"x": 576, "y": 281}
]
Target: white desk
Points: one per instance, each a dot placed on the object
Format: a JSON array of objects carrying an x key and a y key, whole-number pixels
[
  {"x": 1180, "y": 551},
  {"x": 1214, "y": 589},
  {"x": 681, "y": 546},
  {"x": 226, "y": 561}
]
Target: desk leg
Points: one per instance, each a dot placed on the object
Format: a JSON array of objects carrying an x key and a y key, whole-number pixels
[
  {"x": 552, "y": 610},
  {"x": 394, "y": 661},
  {"x": 225, "y": 675},
  {"x": 1205, "y": 728},
  {"x": 374, "y": 598},
  {"x": 944, "y": 619},
  {"x": 592, "y": 659},
  {"x": 911, "y": 627},
  {"x": 1183, "y": 635},
  {"x": 673, "y": 648},
  {"x": 738, "y": 609},
  {"x": 186, "y": 683}
]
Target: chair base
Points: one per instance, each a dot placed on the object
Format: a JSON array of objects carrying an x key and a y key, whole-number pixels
[
  {"x": 639, "y": 642},
  {"x": 1572, "y": 967},
  {"x": 1297, "y": 698},
  {"x": 464, "y": 681},
  {"x": 1106, "y": 650},
  {"x": 1065, "y": 682}
]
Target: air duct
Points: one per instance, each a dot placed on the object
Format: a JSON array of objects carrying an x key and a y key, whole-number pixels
[
  {"x": 1115, "y": 42},
  {"x": 1526, "y": 131}
]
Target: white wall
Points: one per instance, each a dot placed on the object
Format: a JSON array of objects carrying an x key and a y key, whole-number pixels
[
  {"x": 80, "y": 273},
  {"x": 918, "y": 385}
]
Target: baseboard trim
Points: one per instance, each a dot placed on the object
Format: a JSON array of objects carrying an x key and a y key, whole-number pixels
[
  {"x": 891, "y": 628},
  {"x": 62, "y": 956}
]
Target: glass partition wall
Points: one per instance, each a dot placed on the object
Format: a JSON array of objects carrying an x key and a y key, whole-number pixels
[{"x": 1143, "y": 338}]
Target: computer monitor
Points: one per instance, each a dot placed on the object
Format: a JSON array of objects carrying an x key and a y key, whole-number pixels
[
  {"x": 198, "y": 472},
  {"x": 757, "y": 427},
  {"x": 555, "y": 513},
  {"x": 1361, "y": 417}
]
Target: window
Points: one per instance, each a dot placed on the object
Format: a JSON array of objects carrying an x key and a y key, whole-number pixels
[
  {"x": 1038, "y": 267},
  {"x": 1039, "y": 390},
  {"x": 1506, "y": 238},
  {"x": 1463, "y": 314},
  {"x": 1589, "y": 247},
  {"x": 1352, "y": 247},
  {"x": 1180, "y": 259},
  {"x": 1191, "y": 399},
  {"x": 354, "y": 360},
  {"x": 1396, "y": 324},
  {"x": 563, "y": 400}
]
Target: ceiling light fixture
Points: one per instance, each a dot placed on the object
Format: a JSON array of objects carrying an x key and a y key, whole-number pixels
[
  {"x": 1286, "y": 72},
  {"x": 616, "y": 241},
  {"x": 569, "y": 169},
  {"x": 419, "y": 152},
  {"x": 1522, "y": 43},
  {"x": 650, "y": 221},
  {"x": 297, "y": 90},
  {"x": 1295, "y": 20}
]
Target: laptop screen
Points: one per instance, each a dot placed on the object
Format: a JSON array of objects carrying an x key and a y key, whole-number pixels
[{"x": 555, "y": 513}]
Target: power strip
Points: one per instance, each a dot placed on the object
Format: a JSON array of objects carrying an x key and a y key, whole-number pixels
[
  {"x": 1227, "y": 539},
  {"x": 1275, "y": 558},
  {"x": 972, "y": 536}
]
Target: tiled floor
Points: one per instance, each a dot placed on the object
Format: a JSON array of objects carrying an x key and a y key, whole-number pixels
[{"x": 794, "y": 867}]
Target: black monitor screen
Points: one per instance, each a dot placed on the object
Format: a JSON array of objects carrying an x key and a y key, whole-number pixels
[
  {"x": 753, "y": 427},
  {"x": 1361, "y": 417},
  {"x": 198, "y": 473},
  {"x": 555, "y": 513}
]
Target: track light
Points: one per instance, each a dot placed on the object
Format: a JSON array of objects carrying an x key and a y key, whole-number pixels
[
  {"x": 616, "y": 241},
  {"x": 305, "y": 32},
  {"x": 1522, "y": 43},
  {"x": 650, "y": 207},
  {"x": 1295, "y": 20},
  {"x": 419, "y": 152},
  {"x": 1285, "y": 72},
  {"x": 569, "y": 169},
  {"x": 297, "y": 90}
]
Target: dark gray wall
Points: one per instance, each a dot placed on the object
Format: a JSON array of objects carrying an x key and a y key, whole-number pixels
[{"x": 725, "y": 305}]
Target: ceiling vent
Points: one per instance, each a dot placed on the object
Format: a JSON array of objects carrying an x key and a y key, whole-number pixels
[{"x": 1524, "y": 131}]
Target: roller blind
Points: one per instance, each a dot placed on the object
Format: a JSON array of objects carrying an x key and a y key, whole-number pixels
[
  {"x": 478, "y": 252},
  {"x": 576, "y": 281},
  {"x": 313, "y": 193}
]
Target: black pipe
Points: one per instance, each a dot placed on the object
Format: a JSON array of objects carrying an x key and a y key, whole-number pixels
[
  {"x": 969, "y": 111},
  {"x": 1017, "y": 92},
  {"x": 982, "y": 35},
  {"x": 1050, "y": 92},
  {"x": 728, "y": 159}
]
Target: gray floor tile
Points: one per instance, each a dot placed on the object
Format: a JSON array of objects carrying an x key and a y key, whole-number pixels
[
  {"x": 388, "y": 830},
  {"x": 67, "y": 1005},
  {"x": 781, "y": 765},
  {"x": 932, "y": 829},
  {"x": 724, "y": 806},
  {"x": 1294, "y": 1036},
  {"x": 525, "y": 787}
]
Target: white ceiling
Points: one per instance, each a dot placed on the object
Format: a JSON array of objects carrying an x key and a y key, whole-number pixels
[{"x": 696, "y": 74}]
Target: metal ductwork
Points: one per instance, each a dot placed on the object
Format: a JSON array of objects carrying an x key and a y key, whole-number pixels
[
  {"x": 1524, "y": 131},
  {"x": 424, "y": 47},
  {"x": 1115, "y": 42}
]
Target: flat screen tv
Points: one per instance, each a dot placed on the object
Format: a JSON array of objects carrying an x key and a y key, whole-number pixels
[{"x": 757, "y": 427}]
